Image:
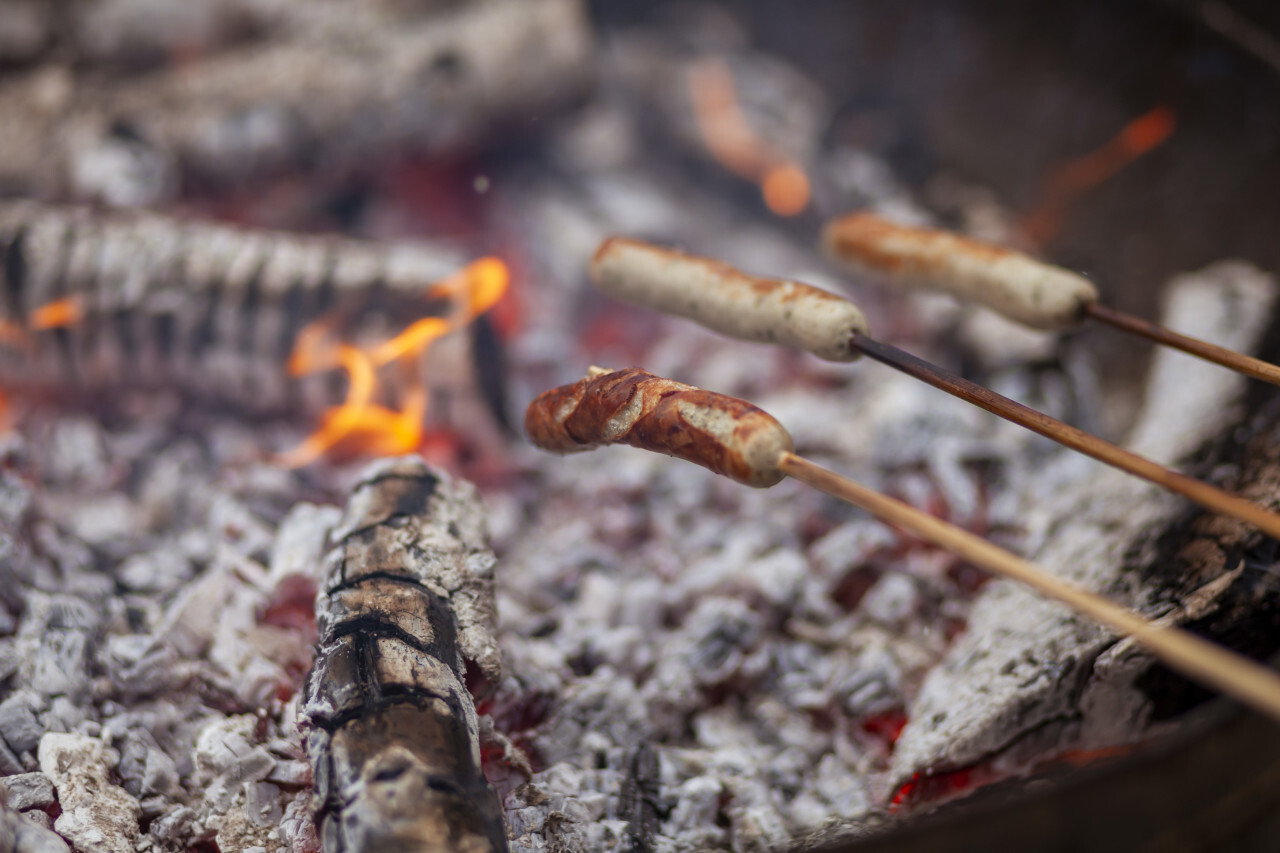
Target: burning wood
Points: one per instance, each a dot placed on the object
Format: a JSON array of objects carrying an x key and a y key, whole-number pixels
[
  {"x": 730, "y": 139},
  {"x": 407, "y": 605},
  {"x": 1027, "y": 676},
  {"x": 750, "y": 115},
  {"x": 433, "y": 82},
  {"x": 115, "y": 300}
]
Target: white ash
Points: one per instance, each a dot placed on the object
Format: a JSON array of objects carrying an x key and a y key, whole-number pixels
[
  {"x": 1017, "y": 673},
  {"x": 142, "y": 662},
  {"x": 661, "y": 606}
]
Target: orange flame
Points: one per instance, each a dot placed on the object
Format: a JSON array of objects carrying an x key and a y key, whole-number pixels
[
  {"x": 1073, "y": 178},
  {"x": 731, "y": 141},
  {"x": 56, "y": 315},
  {"x": 53, "y": 315},
  {"x": 359, "y": 424},
  {"x": 15, "y": 335}
]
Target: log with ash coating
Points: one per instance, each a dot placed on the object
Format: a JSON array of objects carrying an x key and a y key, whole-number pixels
[
  {"x": 206, "y": 309},
  {"x": 333, "y": 97},
  {"x": 407, "y": 604}
]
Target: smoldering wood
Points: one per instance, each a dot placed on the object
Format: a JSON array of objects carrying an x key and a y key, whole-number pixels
[
  {"x": 326, "y": 98},
  {"x": 640, "y": 801},
  {"x": 1028, "y": 677},
  {"x": 139, "y": 33},
  {"x": 407, "y": 605},
  {"x": 210, "y": 309}
]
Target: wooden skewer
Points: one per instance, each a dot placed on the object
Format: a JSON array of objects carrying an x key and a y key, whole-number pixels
[
  {"x": 1021, "y": 288},
  {"x": 1245, "y": 680},
  {"x": 1237, "y": 361},
  {"x": 743, "y": 442},
  {"x": 770, "y": 311},
  {"x": 1202, "y": 493}
]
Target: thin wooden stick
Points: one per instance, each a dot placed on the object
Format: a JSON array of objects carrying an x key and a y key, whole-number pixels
[
  {"x": 772, "y": 311},
  {"x": 1245, "y": 680},
  {"x": 1021, "y": 288},
  {"x": 736, "y": 439},
  {"x": 1239, "y": 362},
  {"x": 1204, "y": 494}
]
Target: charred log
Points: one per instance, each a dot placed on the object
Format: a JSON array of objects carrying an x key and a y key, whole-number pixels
[
  {"x": 424, "y": 83},
  {"x": 407, "y": 603}
]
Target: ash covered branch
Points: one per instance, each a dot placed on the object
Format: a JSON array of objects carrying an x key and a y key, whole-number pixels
[
  {"x": 153, "y": 300},
  {"x": 330, "y": 95},
  {"x": 407, "y": 604}
]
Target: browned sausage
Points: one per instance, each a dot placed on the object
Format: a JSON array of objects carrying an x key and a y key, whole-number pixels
[{"x": 725, "y": 434}]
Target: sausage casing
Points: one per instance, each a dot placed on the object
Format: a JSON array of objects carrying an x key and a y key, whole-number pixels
[
  {"x": 727, "y": 435},
  {"x": 1019, "y": 287},
  {"x": 725, "y": 299}
]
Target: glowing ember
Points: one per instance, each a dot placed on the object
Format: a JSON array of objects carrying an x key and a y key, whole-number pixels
[
  {"x": 359, "y": 425},
  {"x": 1075, "y": 177},
  {"x": 731, "y": 141},
  {"x": 55, "y": 315},
  {"x": 935, "y": 788}
]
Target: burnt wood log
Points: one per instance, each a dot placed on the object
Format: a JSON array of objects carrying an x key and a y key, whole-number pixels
[
  {"x": 327, "y": 98},
  {"x": 407, "y": 604},
  {"x": 210, "y": 309}
]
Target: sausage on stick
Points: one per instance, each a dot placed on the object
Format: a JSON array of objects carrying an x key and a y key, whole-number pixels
[
  {"x": 760, "y": 309},
  {"x": 637, "y": 408},
  {"x": 1021, "y": 288}
]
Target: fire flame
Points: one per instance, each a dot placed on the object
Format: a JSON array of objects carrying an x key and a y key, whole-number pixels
[
  {"x": 359, "y": 424},
  {"x": 53, "y": 315},
  {"x": 1073, "y": 178},
  {"x": 15, "y": 335},
  {"x": 731, "y": 141}
]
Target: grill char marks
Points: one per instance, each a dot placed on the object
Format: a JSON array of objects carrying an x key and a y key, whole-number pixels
[{"x": 407, "y": 602}]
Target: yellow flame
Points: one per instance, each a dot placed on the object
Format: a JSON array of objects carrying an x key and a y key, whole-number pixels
[
  {"x": 359, "y": 424},
  {"x": 736, "y": 146},
  {"x": 56, "y": 315}
]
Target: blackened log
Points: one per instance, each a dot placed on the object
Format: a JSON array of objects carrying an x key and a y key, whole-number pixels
[
  {"x": 407, "y": 605},
  {"x": 211, "y": 309}
]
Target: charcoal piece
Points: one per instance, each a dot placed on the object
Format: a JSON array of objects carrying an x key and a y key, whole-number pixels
[
  {"x": 96, "y": 813},
  {"x": 9, "y": 763},
  {"x": 173, "y": 828},
  {"x": 640, "y": 800},
  {"x": 19, "y": 726},
  {"x": 394, "y": 739},
  {"x": 23, "y": 835},
  {"x": 144, "y": 768},
  {"x": 27, "y": 791}
]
